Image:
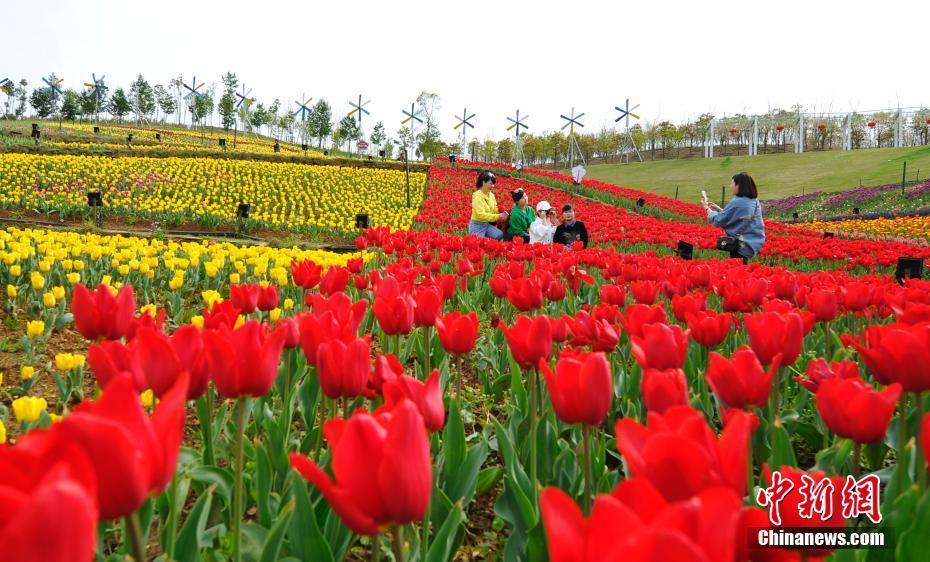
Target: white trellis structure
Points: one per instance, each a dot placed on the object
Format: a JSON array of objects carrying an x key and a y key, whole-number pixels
[{"x": 800, "y": 130}]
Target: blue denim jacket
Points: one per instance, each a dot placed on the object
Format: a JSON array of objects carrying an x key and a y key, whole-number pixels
[{"x": 733, "y": 221}]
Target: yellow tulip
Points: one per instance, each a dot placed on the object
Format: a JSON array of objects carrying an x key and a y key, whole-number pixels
[
  {"x": 73, "y": 278},
  {"x": 38, "y": 282},
  {"x": 48, "y": 299},
  {"x": 28, "y": 408},
  {"x": 2, "y": 433},
  {"x": 11, "y": 291},
  {"x": 27, "y": 372},
  {"x": 197, "y": 321},
  {"x": 16, "y": 270},
  {"x": 289, "y": 304},
  {"x": 35, "y": 328}
]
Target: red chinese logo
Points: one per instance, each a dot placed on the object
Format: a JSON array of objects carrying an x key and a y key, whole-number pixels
[{"x": 859, "y": 497}]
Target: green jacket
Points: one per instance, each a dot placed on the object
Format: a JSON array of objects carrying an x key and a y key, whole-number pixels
[{"x": 520, "y": 220}]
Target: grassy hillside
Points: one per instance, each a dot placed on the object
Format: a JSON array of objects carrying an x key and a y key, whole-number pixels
[{"x": 777, "y": 175}]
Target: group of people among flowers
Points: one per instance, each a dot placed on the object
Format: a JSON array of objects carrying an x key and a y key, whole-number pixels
[{"x": 540, "y": 227}]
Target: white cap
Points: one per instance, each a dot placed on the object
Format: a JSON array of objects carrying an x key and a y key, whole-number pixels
[{"x": 543, "y": 206}]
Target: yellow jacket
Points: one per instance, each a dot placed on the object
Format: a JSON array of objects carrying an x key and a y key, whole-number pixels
[{"x": 484, "y": 207}]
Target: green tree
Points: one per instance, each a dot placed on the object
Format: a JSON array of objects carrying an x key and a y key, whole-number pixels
[
  {"x": 202, "y": 107},
  {"x": 388, "y": 149},
  {"x": 348, "y": 130},
  {"x": 88, "y": 102},
  {"x": 141, "y": 98},
  {"x": 166, "y": 101},
  {"x": 227, "y": 105},
  {"x": 43, "y": 102},
  {"x": 70, "y": 105},
  {"x": 378, "y": 136},
  {"x": 320, "y": 122},
  {"x": 428, "y": 137},
  {"x": 119, "y": 104},
  {"x": 404, "y": 137},
  {"x": 257, "y": 116},
  {"x": 21, "y": 99}
]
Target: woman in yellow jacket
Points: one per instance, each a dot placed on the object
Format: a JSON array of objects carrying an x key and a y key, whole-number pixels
[{"x": 484, "y": 212}]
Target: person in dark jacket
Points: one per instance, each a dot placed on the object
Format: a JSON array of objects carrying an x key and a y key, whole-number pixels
[{"x": 571, "y": 230}]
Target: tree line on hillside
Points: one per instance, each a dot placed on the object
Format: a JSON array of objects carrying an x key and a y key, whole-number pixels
[{"x": 144, "y": 102}]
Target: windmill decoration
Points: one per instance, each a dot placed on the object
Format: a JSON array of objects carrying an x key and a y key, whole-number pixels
[
  {"x": 359, "y": 108},
  {"x": 516, "y": 123},
  {"x": 464, "y": 122},
  {"x": 193, "y": 94},
  {"x": 7, "y": 87},
  {"x": 54, "y": 84},
  {"x": 412, "y": 117},
  {"x": 625, "y": 113},
  {"x": 571, "y": 120},
  {"x": 99, "y": 88},
  {"x": 303, "y": 108},
  {"x": 242, "y": 106}
]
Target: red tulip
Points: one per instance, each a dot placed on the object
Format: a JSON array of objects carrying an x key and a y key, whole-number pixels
[
  {"x": 741, "y": 381},
  {"x": 581, "y": 387},
  {"x": 428, "y": 301},
  {"x": 382, "y": 469},
  {"x": 601, "y": 335},
  {"x": 355, "y": 265},
  {"x": 100, "y": 315},
  {"x": 335, "y": 280},
  {"x": 153, "y": 361},
  {"x": 49, "y": 508},
  {"x": 785, "y": 286},
  {"x": 530, "y": 340},
  {"x": 709, "y": 328},
  {"x": 244, "y": 361},
  {"x": 824, "y": 304},
  {"x": 663, "y": 389},
  {"x": 146, "y": 320},
  {"x": 898, "y": 353},
  {"x": 290, "y": 330},
  {"x": 267, "y": 298},
  {"x": 245, "y": 297},
  {"x": 636, "y": 316},
  {"x": 688, "y": 304},
  {"x": 556, "y": 291},
  {"x": 636, "y": 524},
  {"x": 854, "y": 410},
  {"x": 306, "y": 274},
  {"x": 772, "y": 333},
  {"x": 525, "y": 294},
  {"x": 426, "y": 396},
  {"x": 644, "y": 292},
  {"x": 612, "y": 294},
  {"x": 222, "y": 314},
  {"x": 856, "y": 296},
  {"x": 343, "y": 368},
  {"x": 458, "y": 332},
  {"x": 133, "y": 456},
  {"x": 819, "y": 370},
  {"x": 387, "y": 369},
  {"x": 393, "y": 308},
  {"x": 661, "y": 347},
  {"x": 680, "y": 454}
]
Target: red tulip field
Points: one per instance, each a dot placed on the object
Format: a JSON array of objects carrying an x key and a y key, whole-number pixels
[{"x": 434, "y": 396}]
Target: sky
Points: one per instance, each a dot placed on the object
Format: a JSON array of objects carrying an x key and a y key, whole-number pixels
[{"x": 676, "y": 60}]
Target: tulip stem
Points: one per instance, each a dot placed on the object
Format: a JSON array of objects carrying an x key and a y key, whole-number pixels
[
  {"x": 206, "y": 427},
  {"x": 922, "y": 474},
  {"x": 588, "y": 473},
  {"x": 172, "y": 524},
  {"x": 857, "y": 460},
  {"x": 398, "y": 544},
  {"x": 135, "y": 536},
  {"x": 376, "y": 548},
  {"x": 458, "y": 379},
  {"x": 776, "y": 422},
  {"x": 427, "y": 336},
  {"x": 532, "y": 413},
  {"x": 237, "y": 492},
  {"x": 902, "y": 429},
  {"x": 827, "y": 342}
]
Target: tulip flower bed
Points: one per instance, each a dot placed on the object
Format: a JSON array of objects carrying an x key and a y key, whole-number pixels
[
  {"x": 868, "y": 199},
  {"x": 115, "y": 135},
  {"x": 440, "y": 397},
  {"x": 681, "y": 209},
  {"x": 904, "y": 228},
  {"x": 447, "y": 207},
  {"x": 281, "y": 195}
]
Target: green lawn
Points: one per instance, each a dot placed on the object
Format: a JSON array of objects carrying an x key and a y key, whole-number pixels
[{"x": 777, "y": 175}]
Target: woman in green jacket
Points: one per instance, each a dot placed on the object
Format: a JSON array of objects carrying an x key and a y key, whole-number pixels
[{"x": 521, "y": 217}]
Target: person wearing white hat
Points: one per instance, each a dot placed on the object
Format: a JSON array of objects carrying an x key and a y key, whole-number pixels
[{"x": 543, "y": 228}]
